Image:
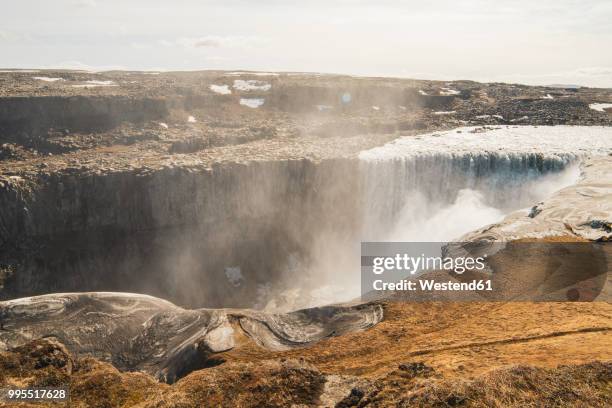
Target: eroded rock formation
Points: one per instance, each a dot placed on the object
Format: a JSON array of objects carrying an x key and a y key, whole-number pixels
[{"x": 138, "y": 332}]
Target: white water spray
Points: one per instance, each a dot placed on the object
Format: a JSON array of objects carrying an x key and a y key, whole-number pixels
[{"x": 440, "y": 186}]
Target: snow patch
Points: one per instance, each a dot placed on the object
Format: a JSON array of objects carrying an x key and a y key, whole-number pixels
[
  {"x": 422, "y": 92},
  {"x": 489, "y": 116},
  {"x": 101, "y": 83},
  {"x": 48, "y": 79},
  {"x": 25, "y": 71},
  {"x": 322, "y": 108},
  {"x": 164, "y": 125},
  {"x": 376, "y": 108},
  {"x": 251, "y": 85},
  {"x": 449, "y": 91},
  {"x": 549, "y": 140},
  {"x": 252, "y": 102},
  {"x": 253, "y": 73},
  {"x": 191, "y": 119},
  {"x": 548, "y": 96},
  {"x": 94, "y": 83},
  {"x": 221, "y": 89},
  {"x": 444, "y": 112},
  {"x": 600, "y": 107}
]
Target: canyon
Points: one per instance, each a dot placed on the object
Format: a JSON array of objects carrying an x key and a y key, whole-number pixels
[{"x": 132, "y": 203}]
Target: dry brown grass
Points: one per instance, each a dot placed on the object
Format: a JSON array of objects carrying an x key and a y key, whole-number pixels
[
  {"x": 475, "y": 354},
  {"x": 461, "y": 339},
  {"x": 585, "y": 385}
]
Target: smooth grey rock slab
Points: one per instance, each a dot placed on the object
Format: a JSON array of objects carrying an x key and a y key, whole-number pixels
[{"x": 140, "y": 332}]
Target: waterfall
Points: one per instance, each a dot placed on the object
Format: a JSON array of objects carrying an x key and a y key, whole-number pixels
[
  {"x": 421, "y": 188},
  {"x": 438, "y": 186}
]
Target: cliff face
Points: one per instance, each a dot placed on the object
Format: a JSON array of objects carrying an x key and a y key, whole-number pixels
[
  {"x": 269, "y": 232},
  {"x": 300, "y": 98},
  {"x": 233, "y": 235},
  {"x": 204, "y": 237},
  {"x": 25, "y": 119}
]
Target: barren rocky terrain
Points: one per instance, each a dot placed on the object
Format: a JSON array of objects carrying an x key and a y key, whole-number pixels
[{"x": 114, "y": 121}]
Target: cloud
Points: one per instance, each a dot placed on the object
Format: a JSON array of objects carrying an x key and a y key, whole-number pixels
[
  {"x": 140, "y": 46},
  {"x": 207, "y": 42},
  {"x": 14, "y": 37},
  {"x": 598, "y": 77},
  {"x": 80, "y": 66},
  {"x": 84, "y": 3},
  {"x": 212, "y": 41},
  {"x": 593, "y": 72},
  {"x": 215, "y": 58},
  {"x": 585, "y": 76},
  {"x": 8, "y": 36}
]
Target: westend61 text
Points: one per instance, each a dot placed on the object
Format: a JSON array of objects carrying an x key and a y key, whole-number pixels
[{"x": 432, "y": 285}]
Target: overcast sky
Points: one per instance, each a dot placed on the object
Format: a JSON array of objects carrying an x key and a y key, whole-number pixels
[{"x": 534, "y": 41}]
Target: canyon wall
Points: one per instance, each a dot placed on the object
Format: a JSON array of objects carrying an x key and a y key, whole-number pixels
[
  {"x": 24, "y": 119},
  {"x": 202, "y": 237},
  {"x": 234, "y": 235}
]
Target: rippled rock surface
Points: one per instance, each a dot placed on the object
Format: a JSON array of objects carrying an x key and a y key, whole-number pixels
[{"x": 139, "y": 332}]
